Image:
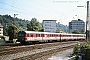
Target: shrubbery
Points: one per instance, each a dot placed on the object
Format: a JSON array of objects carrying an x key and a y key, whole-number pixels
[{"x": 78, "y": 48}]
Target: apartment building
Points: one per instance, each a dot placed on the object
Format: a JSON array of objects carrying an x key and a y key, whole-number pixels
[
  {"x": 49, "y": 25},
  {"x": 76, "y": 25}
]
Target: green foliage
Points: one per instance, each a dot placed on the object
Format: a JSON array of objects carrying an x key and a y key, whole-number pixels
[
  {"x": 2, "y": 39},
  {"x": 82, "y": 31},
  {"x": 87, "y": 44},
  {"x": 34, "y": 25},
  {"x": 76, "y": 49},
  {"x": 7, "y": 20},
  {"x": 76, "y": 32},
  {"x": 11, "y": 31},
  {"x": 42, "y": 30}
]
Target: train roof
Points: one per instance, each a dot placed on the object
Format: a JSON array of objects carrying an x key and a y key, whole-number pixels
[{"x": 51, "y": 33}]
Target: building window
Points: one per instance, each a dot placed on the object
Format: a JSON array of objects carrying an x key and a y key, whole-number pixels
[{"x": 45, "y": 25}]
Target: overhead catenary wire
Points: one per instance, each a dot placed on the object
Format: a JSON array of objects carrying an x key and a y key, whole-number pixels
[
  {"x": 49, "y": 9},
  {"x": 24, "y": 11},
  {"x": 28, "y": 12}
]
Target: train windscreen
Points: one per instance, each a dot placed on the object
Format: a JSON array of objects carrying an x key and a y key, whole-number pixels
[{"x": 21, "y": 34}]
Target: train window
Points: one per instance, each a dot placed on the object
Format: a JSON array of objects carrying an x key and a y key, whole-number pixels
[
  {"x": 37, "y": 35},
  {"x": 47, "y": 35},
  {"x": 20, "y": 34},
  {"x": 62, "y": 35},
  {"x": 52, "y": 35},
  {"x": 27, "y": 35},
  {"x": 31, "y": 35},
  {"x": 42, "y": 35},
  {"x": 55, "y": 35}
]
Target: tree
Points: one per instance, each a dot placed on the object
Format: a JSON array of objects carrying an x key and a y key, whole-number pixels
[
  {"x": 5, "y": 29},
  {"x": 58, "y": 31},
  {"x": 34, "y": 25},
  {"x": 11, "y": 32},
  {"x": 82, "y": 31},
  {"x": 42, "y": 30},
  {"x": 76, "y": 32},
  {"x": 7, "y": 20}
]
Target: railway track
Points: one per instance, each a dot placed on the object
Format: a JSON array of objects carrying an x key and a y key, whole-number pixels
[
  {"x": 42, "y": 55},
  {"x": 20, "y": 51},
  {"x": 15, "y": 49}
]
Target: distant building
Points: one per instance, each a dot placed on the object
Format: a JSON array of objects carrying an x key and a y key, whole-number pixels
[
  {"x": 49, "y": 25},
  {"x": 1, "y": 30},
  {"x": 61, "y": 27},
  {"x": 58, "y": 26},
  {"x": 76, "y": 25}
]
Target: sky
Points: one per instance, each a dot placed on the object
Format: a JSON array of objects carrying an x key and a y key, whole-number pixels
[{"x": 61, "y": 10}]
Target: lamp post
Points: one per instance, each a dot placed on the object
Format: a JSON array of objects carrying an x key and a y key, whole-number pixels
[
  {"x": 14, "y": 19},
  {"x": 14, "y": 24}
]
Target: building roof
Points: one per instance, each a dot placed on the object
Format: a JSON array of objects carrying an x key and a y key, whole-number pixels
[
  {"x": 49, "y": 20},
  {"x": 77, "y": 20}
]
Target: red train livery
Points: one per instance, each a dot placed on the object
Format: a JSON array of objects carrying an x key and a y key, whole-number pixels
[{"x": 32, "y": 36}]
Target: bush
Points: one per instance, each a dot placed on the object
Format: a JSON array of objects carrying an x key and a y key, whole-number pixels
[
  {"x": 1, "y": 40},
  {"x": 76, "y": 49}
]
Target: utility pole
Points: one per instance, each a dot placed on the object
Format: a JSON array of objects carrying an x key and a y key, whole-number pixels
[
  {"x": 14, "y": 24},
  {"x": 87, "y": 23}
]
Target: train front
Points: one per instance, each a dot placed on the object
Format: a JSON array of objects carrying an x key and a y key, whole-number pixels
[{"x": 21, "y": 36}]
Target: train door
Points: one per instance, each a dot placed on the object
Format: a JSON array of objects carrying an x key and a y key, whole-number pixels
[{"x": 60, "y": 37}]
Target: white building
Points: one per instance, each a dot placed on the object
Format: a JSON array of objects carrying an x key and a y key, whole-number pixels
[
  {"x": 49, "y": 25},
  {"x": 76, "y": 25},
  {"x": 1, "y": 30}
]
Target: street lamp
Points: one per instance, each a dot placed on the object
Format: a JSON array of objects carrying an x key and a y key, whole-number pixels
[
  {"x": 14, "y": 19},
  {"x": 14, "y": 24}
]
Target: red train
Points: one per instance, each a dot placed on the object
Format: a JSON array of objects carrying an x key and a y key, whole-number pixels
[{"x": 32, "y": 36}]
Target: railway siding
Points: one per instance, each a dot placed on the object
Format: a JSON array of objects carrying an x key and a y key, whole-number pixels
[{"x": 26, "y": 53}]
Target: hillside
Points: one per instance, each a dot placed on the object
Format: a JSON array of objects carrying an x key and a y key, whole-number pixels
[{"x": 7, "y": 20}]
